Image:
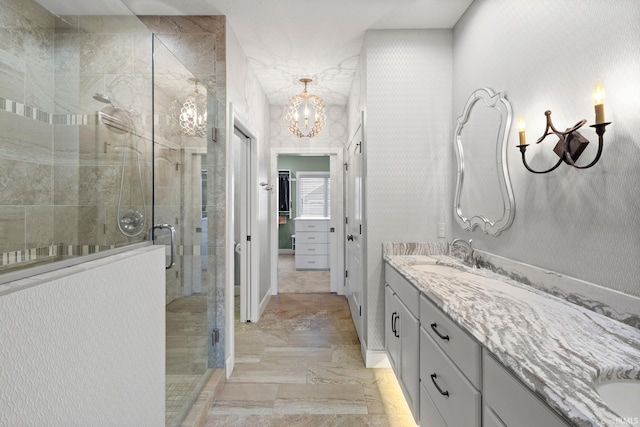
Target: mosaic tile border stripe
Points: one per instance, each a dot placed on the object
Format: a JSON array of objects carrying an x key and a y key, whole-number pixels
[
  {"x": 21, "y": 109},
  {"x": 35, "y": 254},
  {"x": 15, "y": 107}
]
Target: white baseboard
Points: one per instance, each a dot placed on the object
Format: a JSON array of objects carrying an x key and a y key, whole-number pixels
[
  {"x": 286, "y": 251},
  {"x": 229, "y": 364},
  {"x": 375, "y": 358},
  {"x": 263, "y": 303}
]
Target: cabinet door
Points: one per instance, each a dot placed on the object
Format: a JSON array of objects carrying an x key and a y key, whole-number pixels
[
  {"x": 391, "y": 335},
  {"x": 409, "y": 358}
]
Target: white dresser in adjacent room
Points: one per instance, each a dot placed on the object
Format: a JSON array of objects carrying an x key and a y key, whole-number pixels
[{"x": 312, "y": 243}]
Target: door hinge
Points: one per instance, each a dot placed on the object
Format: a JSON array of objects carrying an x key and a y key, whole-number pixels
[
  {"x": 346, "y": 220},
  {"x": 360, "y": 228},
  {"x": 248, "y": 238},
  {"x": 346, "y": 273},
  {"x": 346, "y": 166},
  {"x": 215, "y": 336},
  {"x": 360, "y": 310}
]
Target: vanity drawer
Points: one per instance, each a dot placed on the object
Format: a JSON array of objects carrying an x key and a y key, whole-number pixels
[
  {"x": 312, "y": 225},
  {"x": 429, "y": 415},
  {"x": 407, "y": 293},
  {"x": 460, "y": 407},
  {"x": 312, "y": 262},
  {"x": 514, "y": 403},
  {"x": 312, "y": 249},
  {"x": 463, "y": 350}
]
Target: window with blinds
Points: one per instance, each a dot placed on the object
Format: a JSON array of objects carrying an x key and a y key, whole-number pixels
[{"x": 313, "y": 194}]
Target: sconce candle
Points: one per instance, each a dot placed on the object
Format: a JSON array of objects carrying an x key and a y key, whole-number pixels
[
  {"x": 598, "y": 102},
  {"x": 521, "y": 127}
]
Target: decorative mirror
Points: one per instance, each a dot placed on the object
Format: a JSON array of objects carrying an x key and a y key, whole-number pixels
[{"x": 484, "y": 197}]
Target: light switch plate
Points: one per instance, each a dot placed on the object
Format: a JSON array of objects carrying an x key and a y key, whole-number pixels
[{"x": 442, "y": 229}]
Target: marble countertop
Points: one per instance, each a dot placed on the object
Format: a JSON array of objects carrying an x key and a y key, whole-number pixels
[{"x": 559, "y": 349}]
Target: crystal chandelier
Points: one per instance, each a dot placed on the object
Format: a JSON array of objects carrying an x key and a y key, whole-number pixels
[
  {"x": 302, "y": 124},
  {"x": 192, "y": 114}
]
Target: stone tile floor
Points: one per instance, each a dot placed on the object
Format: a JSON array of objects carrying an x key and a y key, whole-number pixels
[{"x": 300, "y": 365}]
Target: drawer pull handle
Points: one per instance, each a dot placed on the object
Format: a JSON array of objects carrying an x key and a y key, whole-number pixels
[
  {"x": 395, "y": 327},
  {"x": 434, "y": 326},
  {"x": 433, "y": 379}
]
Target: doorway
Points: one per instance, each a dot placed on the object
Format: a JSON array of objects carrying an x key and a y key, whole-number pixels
[
  {"x": 335, "y": 226},
  {"x": 241, "y": 264}
]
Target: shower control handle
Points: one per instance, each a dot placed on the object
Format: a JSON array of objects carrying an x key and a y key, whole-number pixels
[{"x": 172, "y": 229}]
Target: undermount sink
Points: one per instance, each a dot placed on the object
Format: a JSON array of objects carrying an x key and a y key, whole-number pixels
[
  {"x": 622, "y": 396},
  {"x": 436, "y": 268}
]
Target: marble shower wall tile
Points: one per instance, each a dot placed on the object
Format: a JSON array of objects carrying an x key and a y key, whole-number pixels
[
  {"x": 24, "y": 139},
  {"x": 24, "y": 183},
  {"x": 12, "y": 228},
  {"x": 39, "y": 226},
  {"x": 12, "y": 75}
]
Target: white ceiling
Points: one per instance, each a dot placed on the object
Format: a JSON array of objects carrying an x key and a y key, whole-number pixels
[{"x": 286, "y": 40}]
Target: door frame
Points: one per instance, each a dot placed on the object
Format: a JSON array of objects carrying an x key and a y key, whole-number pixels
[
  {"x": 336, "y": 239},
  {"x": 236, "y": 121}
]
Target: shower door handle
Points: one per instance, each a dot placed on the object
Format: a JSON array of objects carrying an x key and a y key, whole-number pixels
[{"x": 172, "y": 230}]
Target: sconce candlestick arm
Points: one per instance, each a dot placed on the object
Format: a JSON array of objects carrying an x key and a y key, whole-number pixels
[
  {"x": 600, "y": 130},
  {"x": 523, "y": 148}
]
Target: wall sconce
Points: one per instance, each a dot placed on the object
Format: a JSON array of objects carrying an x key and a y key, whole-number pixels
[{"x": 571, "y": 143}]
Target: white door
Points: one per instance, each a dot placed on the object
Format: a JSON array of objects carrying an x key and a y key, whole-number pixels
[
  {"x": 353, "y": 224},
  {"x": 242, "y": 219}
]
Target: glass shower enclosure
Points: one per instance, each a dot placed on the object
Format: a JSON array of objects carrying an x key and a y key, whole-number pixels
[{"x": 103, "y": 134}]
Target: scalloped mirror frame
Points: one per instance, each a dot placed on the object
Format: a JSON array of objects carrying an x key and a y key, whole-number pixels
[{"x": 469, "y": 221}]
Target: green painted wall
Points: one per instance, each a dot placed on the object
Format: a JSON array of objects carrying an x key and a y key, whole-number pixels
[{"x": 295, "y": 164}]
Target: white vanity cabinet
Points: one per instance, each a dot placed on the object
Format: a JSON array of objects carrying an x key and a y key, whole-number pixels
[
  {"x": 509, "y": 403},
  {"x": 448, "y": 378},
  {"x": 312, "y": 243},
  {"x": 450, "y": 371},
  {"x": 402, "y": 335}
]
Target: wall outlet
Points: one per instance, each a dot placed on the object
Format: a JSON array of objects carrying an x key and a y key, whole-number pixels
[{"x": 442, "y": 229}]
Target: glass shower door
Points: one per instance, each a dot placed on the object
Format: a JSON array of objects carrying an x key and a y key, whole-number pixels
[{"x": 180, "y": 173}]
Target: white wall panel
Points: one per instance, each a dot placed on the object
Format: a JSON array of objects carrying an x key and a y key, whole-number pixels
[
  {"x": 85, "y": 345},
  {"x": 407, "y": 127}
]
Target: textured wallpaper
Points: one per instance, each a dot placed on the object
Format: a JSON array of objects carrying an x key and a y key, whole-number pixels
[
  {"x": 582, "y": 223},
  {"x": 407, "y": 126},
  {"x": 86, "y": 346}
]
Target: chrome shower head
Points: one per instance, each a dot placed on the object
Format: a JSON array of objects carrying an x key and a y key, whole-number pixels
[{"x": 100, "y": 97}]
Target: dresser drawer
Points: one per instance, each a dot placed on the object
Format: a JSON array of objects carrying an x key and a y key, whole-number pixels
[
  {"x": 407, "y": 293},
  {"x": 312, "y": 262},
  {"x": 460, "y": 405},
  {"x": 312, "y": 225},
  {"x": 311, "y": 237},
  {"x": 463, "y": 350},
  {"x": 312, "y": 249}
]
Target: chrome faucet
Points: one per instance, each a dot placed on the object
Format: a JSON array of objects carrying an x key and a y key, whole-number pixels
[{"x": 469, "y": 258}]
